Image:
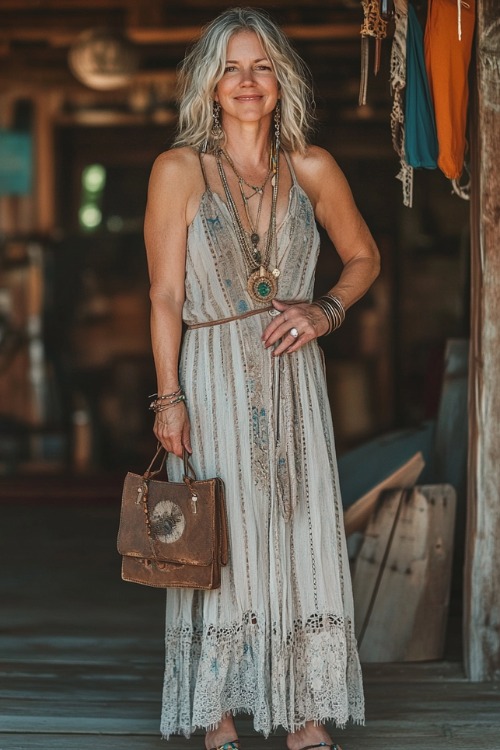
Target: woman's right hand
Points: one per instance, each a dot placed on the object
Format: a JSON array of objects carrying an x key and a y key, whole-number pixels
[{"x": 172, "y": 429}]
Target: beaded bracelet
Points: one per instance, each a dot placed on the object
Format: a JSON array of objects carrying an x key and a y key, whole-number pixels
[
  {"x": 166, "y": 395},
  {"x": 167, "y": 400},
  {"x": 333, "y": 309},
  {"x": 157, "y": 408}
]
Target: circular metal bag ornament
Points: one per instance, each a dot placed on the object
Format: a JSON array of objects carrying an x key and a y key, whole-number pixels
[
  {"x": 262, "y": 285},
  {"x": 167, "y": 522}
]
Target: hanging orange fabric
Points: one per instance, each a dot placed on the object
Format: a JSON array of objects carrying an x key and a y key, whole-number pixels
[{"x": 448, "y": 43}]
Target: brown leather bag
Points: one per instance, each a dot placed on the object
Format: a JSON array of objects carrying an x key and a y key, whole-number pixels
[{"x": 173, "y": 534}]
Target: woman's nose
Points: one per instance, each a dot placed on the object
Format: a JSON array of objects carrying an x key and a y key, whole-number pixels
[{"x": 247, "y": 76}]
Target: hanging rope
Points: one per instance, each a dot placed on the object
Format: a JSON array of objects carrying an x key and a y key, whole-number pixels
[
  {"x": 398, "y": 84},
  {"x": 463, "y": 191},
  {"x": 373, "y": 26}
]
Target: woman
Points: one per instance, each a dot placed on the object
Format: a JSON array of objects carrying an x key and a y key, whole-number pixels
[{"x": 232, "y": 247}]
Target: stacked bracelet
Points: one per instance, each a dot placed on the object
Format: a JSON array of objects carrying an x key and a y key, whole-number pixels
[
  {"x": 167, "y": 400},
  {"x": 333, "y": 309}
]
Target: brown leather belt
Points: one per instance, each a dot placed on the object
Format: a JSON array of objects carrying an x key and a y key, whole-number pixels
[{"x": 228, "y": 320}]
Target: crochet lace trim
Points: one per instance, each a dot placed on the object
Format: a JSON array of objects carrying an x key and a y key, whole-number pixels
[{"x": 313, "y": 674}]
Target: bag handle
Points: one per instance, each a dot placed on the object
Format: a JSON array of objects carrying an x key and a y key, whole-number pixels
[
  {"x": 149, "y": 471},
  {"x": 160, "y": 451}
]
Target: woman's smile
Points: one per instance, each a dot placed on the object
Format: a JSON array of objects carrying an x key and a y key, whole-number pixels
[{"x": 248, "y": 97}]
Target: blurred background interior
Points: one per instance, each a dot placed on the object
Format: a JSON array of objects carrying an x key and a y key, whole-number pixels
[{"x": 87, "y": 101}]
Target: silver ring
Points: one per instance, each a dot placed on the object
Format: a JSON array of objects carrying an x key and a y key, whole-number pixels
[{"x": 293, "y": 332}]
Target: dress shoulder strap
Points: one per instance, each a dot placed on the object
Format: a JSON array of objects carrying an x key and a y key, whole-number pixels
[
  {"x": 203, "y": 171},
  {"x": 290, "y": 167}
]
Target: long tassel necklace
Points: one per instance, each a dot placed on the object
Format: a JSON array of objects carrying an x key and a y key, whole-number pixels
[
  {"x": 256, "y": 190},
  {"x": 262, "y": 283}
]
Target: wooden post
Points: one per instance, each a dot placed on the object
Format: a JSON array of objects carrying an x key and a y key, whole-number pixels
[
  {"x": 482, "y": 564},
  {"x": 46, "y": 104}
]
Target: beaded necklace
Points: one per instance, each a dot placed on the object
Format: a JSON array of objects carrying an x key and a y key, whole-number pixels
[
  {"x": 257, "y": 190},
  {"x": 262, "y": 284},
  {"x": 241, "y": 180}
]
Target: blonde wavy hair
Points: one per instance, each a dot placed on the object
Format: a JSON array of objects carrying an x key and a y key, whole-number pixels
[{"x": 203, "y": 67}]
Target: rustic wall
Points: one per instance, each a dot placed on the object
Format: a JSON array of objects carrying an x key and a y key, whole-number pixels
[{"x": 482, "y": 573}]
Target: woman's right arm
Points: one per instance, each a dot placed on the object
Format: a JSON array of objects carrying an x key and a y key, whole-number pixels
[{"x": 165, "y": 233}]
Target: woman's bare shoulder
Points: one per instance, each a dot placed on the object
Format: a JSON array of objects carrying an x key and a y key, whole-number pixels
[
  {"x": 315, "y": 162},
  {"x": 179, "y": 164},
  {"x": 177, "y": 181},
  {"x": 319, "y": 175}
]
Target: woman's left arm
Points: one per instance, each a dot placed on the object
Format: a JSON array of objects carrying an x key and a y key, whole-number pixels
[
  {"x": 336, "y": 211},
  {"x": 334, "y": 207}
]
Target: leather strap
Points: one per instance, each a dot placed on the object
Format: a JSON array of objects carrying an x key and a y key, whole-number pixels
[
  {"x": 219, "y": 322},
  {"x": 160, "y": 451}
]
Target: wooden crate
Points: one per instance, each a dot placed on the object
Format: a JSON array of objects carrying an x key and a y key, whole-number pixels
[{"x": 402, "y": 575}]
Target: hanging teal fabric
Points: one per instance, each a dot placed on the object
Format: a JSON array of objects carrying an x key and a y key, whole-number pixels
[{"x": 421, "y": 146}]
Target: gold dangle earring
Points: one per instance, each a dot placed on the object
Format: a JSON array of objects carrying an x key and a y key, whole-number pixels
[
  {"x": 276, "y": 140},
  {"x": 217, "y": 134}
]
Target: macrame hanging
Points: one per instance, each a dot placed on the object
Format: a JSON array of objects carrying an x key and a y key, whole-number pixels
[
  {"x": 374, "y": 25},
  {"x": 398, "y": 83}
]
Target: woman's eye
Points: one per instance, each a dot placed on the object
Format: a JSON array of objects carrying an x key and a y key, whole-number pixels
[
  {"x": 264, "y": 67},
  {"x": 229, "y": 68}
]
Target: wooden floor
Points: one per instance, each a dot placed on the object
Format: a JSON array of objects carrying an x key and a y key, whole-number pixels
[{"x": 81, "y": 652}]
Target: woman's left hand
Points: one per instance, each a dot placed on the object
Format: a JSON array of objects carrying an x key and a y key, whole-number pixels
[{"x": 296, "y": 325}]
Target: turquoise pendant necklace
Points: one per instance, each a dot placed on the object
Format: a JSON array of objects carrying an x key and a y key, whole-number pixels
[{"x": 262, "y": 284}]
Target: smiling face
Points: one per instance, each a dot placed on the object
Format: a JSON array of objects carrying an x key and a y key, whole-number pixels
[{"x": 248, "y": 89}]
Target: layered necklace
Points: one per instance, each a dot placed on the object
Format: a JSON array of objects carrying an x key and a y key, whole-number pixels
[{"x": 262, "y": 283}]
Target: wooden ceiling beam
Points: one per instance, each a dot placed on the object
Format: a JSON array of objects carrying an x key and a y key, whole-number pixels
[
  {"x": 327, "y": 31},
  {"x": 49, "y": 6},
  {"x": 297, "y": 32},
  {"x": 64, "y": 37},
  {"x": 211, "y": 8}
]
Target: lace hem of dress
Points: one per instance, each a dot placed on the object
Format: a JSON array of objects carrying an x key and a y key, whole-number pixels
[{"x": 313, "y": 674}]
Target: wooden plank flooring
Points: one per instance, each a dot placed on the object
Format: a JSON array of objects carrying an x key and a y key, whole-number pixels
[{"x": 81, "y": 652}]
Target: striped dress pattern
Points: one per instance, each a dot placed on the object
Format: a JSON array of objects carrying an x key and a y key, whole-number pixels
[{"x": 277, "y": 639}]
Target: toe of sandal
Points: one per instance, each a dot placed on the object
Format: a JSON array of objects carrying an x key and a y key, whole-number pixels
[{"x": 231, "y": 745}]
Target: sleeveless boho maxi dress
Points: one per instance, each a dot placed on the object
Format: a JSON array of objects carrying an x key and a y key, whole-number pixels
[{"x": 277, "y": 639}]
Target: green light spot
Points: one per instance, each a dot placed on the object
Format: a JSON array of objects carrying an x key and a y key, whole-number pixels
[
  {"x": 94, "y": 178},
  {"x": 90, "y": 216}
]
